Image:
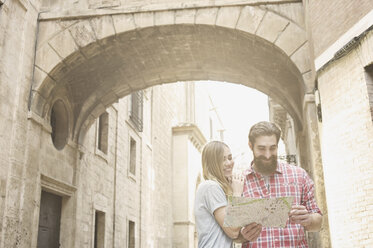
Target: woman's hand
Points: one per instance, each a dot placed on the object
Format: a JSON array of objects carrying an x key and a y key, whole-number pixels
[{"x": 237, "y": 184}]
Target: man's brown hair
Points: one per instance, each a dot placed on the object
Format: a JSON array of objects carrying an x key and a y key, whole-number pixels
[{"x": 264, "y": 128}]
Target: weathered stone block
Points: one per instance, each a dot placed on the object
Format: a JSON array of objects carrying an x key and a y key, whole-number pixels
[
  {"x": 39, "y": 77},
  {"x": 292, "y": 38},
  {"x": 46, "y": 58},
  {"x": 185, "y": 16},
  {"x": 145, "y": 19},
  {"x": 123, "y": 23},
  {"x": 228, "y": 16},
  {"x": 47, "y": 30},
  {"x": 164, "y": 18},
  {"x": 63, "y": 43},
  {"x": 206, "y": 16},
  {"x": 65, "y": 24},
  {"x": 293, "y": 11},
  {"x": 38, "y": 103},
  {"x": 82, "y": 33},
  {"x": 249, "y": 19},
  {"x": 271, "y": 26},
  {"x": 309, "y": 82},
  {"x": 301, "y": 58},
  {"x": 103, "y": 27}
]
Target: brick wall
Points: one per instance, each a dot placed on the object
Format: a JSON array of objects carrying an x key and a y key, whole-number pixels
[
  {"x": 330, "y": 19},
  {"x": 347, "y": 145}
]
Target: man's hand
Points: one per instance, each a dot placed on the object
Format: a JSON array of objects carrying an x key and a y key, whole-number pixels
[
  {"x": 300, "y": 215},
  {"x": 251, "y": 232}
]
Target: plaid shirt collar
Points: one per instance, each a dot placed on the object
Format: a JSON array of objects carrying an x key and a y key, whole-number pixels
[{"x": 250, "y": 170}]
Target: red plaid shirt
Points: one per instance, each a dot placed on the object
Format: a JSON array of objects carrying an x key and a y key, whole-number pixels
[{"x": 288, "y": 180}]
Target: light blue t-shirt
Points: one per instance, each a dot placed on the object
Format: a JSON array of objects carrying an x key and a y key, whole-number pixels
[{"x": 209, "y": 197}]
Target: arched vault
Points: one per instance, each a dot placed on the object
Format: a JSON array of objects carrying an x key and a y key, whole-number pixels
[{"x": 92, "y": 62}]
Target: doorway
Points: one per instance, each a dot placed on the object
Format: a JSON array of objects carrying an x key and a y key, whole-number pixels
[{"x": 49, "y": 220}]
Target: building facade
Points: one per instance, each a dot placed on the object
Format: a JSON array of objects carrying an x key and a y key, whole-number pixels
[{"x": 69, "y": 140}]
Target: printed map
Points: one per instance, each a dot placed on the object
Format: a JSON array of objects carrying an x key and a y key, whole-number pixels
[{"x": 269, "y": 212}]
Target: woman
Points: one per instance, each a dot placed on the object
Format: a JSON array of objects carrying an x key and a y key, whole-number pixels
[{"x": 211, "y": 196}]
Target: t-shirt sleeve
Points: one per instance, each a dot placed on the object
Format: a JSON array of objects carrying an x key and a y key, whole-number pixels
[{"x": 215, "y": 198}]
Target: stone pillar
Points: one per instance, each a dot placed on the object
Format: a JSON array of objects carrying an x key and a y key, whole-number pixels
[
  {"x": 187, "y": 144},
  {"x": 18, "y": 21},
  {"x": 315, "y": 167}
]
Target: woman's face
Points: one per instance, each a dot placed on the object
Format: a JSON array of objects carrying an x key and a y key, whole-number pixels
[{"x": 228, "y": 163}]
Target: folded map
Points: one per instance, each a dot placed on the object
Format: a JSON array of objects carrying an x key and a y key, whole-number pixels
[{"x": 269, "y": 212}]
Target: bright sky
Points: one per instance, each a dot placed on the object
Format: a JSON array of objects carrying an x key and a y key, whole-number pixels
[{"x": 239, "y": 108}]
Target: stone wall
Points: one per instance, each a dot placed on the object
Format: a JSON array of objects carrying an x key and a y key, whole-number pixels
[
  {"x": 104, "y": 182},
  {"x": 18, "y": 24}
]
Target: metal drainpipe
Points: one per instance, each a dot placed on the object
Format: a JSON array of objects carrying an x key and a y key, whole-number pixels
[
  {"x": 33, "y": 66},
  {"x": 115, "y": 173},
  {"x": 141, "y": 186}
]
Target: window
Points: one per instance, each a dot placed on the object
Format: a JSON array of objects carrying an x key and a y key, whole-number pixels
[
  {"x": 369, "y": 80},
  {"x": 136, "y": 110},
  {"x": 99, "y": 239},
  {"x": 103, "y": 131},
  {"x": 131, "y": 234},
  {"x": 59, "y": 124},
  {"x": 132, "y": 164}
]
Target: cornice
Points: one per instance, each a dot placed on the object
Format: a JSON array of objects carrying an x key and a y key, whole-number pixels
[{"x": 194, "y": 134}]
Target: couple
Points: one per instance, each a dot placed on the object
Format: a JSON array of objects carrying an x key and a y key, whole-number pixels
[{"x": 264, "y": 179}]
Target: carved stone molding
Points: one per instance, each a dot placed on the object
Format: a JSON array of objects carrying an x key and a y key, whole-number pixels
[{"x": 55, "y": 186}]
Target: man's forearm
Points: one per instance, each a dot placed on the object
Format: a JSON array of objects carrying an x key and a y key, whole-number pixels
[{"x": 316, "y": 222}]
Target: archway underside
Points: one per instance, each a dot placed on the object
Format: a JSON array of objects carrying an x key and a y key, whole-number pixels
[{"x": 99, "y": 74}]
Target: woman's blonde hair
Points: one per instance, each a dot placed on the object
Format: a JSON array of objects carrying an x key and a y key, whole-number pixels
[{"x": 212, "y": 164}]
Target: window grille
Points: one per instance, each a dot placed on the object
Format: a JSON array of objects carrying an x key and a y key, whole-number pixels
[
  {"x": 136, "y": 110},
  {"x": 291, "y": 159}
]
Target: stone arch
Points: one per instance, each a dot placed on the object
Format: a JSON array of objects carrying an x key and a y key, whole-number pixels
[{"x": 97, "y": 60}]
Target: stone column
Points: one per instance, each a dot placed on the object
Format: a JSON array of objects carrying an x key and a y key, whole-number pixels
[
  {"x": 187, "y": 144},
  {"x": 314, "y": 163}
]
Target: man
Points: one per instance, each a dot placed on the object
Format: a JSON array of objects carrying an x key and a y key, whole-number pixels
[{"x": 267, "y": 178}]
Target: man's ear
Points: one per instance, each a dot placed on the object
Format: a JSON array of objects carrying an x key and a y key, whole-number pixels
[{"x": 251, "y": 146}]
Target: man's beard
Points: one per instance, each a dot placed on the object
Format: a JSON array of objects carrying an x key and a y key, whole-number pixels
[{"x": 264, "y": 166}]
